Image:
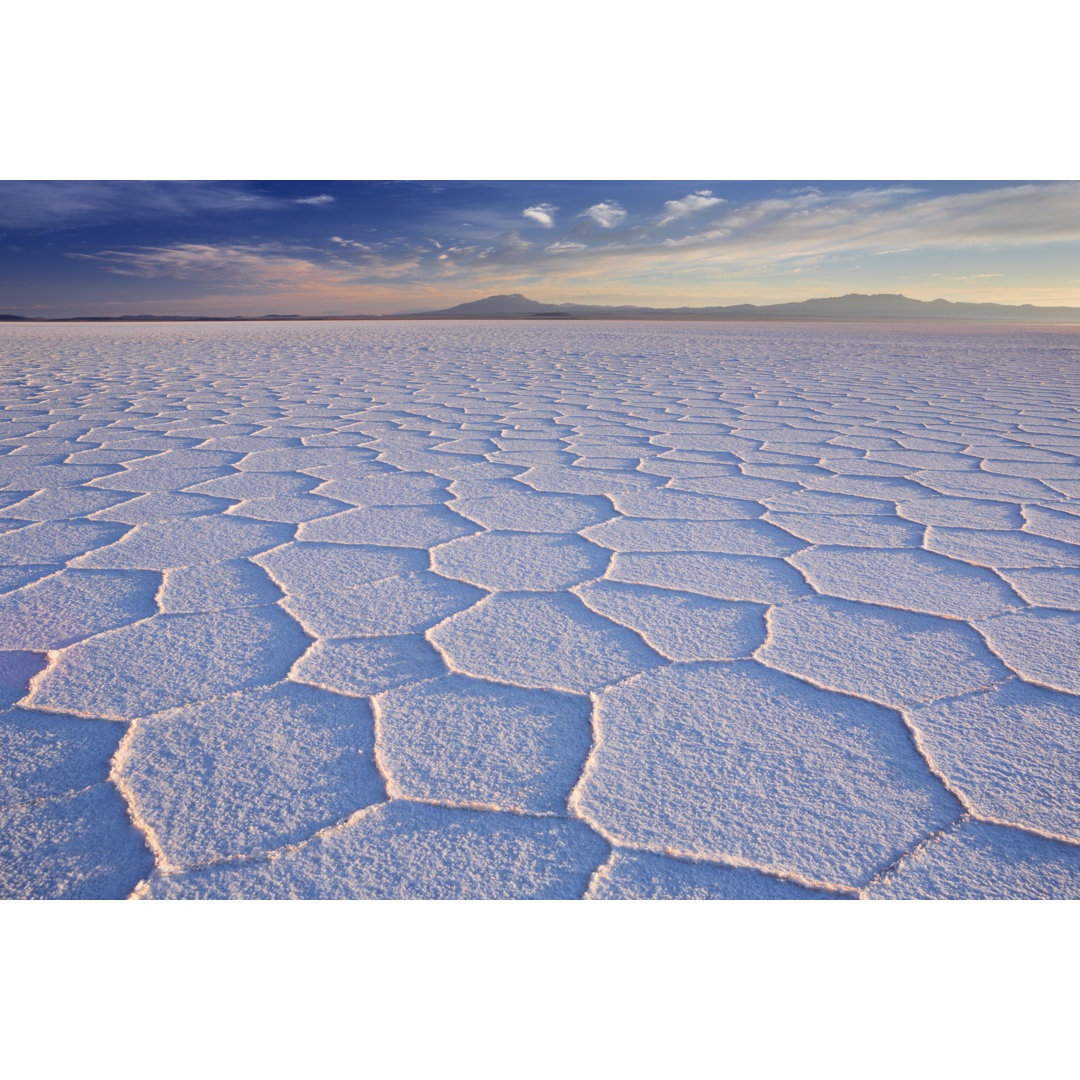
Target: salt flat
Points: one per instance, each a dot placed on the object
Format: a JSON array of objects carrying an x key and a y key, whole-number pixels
[{"x": 602, "y": 610}]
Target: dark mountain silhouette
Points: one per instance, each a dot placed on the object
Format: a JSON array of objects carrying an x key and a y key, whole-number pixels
[{"x": 851, "y": 306}]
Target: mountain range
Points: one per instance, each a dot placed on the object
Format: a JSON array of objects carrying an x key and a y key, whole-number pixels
[{"x": 853, "y": 306}]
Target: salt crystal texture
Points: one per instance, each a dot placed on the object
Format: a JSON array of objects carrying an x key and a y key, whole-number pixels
[{"x": 504, "y": 610}]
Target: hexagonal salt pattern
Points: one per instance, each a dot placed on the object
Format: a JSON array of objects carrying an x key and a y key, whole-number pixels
[
  {"x": 733, "y": 760},
  {"x": 469, "y": 741},
  {"x": 405, "y": 850},
  {"x": 615, "y": 610},
  {"x": 249, "y": 772}
]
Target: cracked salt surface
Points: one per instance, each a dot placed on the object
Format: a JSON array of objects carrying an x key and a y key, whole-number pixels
[{"x": 599, "y": 610}]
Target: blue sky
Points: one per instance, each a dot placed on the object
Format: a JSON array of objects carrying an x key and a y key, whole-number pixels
[{"x": 335, "y": 247}]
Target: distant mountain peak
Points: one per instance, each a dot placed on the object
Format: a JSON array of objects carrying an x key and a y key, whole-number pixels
[
  {"x": 501, "y": 304},
  {"x": 852, "y": 305}
]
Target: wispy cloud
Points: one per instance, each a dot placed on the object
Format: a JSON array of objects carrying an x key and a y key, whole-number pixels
[
  {"x": 340, "y": 240},
  {"x": 688, "y": 205},
  {"x": 542, "y": 214},
  {"x": 247, "y": 268},
  {"x": 315, "y": 200},
  {"x": 606, "y": 214},
  {"x": 63, "y": 203}
]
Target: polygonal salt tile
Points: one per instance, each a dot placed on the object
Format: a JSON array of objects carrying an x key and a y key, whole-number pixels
[
  {"x": 961, "y": 513},
  {"x": 565, "y": 479},
  {"x": 892, "y": 489},
  {"x": 288, "y": 508},
  {"x": 469, "y": 490},
  {"x": 535, "y": 511},
  {"x": 895, "y": 657},
  {"x": 76, "y": 847},
  {"x": 687, "y": 465},
  {"x": 904, "y": 578},
  {"x": 463, "y": 740},
  {"x": 797, "y": 474},
  {"x": 853, "y": 530},
  {"x": 470, "y": 447},
  {"x": 186, "y": 542},
  {"x": 989, "y": 547},
  {"x": 257, "y": 485},
  {"x": 48, "y": 754},
  {"x": 72, "y": 605},
  {"x": 855, "y": 466},
  {"x": 292, "y": 458},
  {"x": 397, "y": 605},
  {"x": 736, "y": 761},
  {"x": 215, "y": 586},
  {"x": 924, "y": 459},
  {"x": 505, "y": 560},
  {"x": 186, "y": 459},
  {"x": 733, "y": 537},
  {"x": 829, "y": 503},
  {"x": 405, "y": 851},
  {"x": 546, "y": 641},
  {"x": 681, "y": 626},
  {"x": 665, "y": 503},
  {"x": 251, "y": 771},
  {"x": 1046, "y": 587},
  {"x": 398, "y": 526},
  {"x": 715, "y": 440},
  {"x": 983, "y": 485},
  {"x": 754, "y": 488},
  {"x": 388, "y": 489},
  {"x": 319, "y": 568},
  {"x": 56, "y": 504},
  {"x": 1011, "y": 751},
  {"x": 170, "y": 660},
  {"x": 725, "y": 577},
  {"x": 1042, "y": 645},
  {"x": 370, "y": 665},
  {"x": 161, "y": 506},
  {"x": 55, "y": 541},
  {"x": 979, "y": 861},
  {"x": 1038, "y": 520},
  {"x": 1037, "y": 470},
  {"x": 613, "y": 464},
  {"x": 448, "y": 466},
  {"x": 157, "y": 480},
  {"x": 640, "y": 875}
]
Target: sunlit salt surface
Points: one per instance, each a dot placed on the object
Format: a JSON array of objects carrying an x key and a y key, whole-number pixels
[{"x": 603, "y": 610}]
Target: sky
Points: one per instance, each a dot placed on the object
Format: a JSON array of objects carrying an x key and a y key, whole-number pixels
[{"x": 74, "y": 248}]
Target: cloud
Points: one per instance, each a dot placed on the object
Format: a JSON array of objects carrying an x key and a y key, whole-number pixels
[
  {"x": 606, "y": 214},
  {"x": 542, "y": 214},
  {"x": 677, "y": 209},
  {"x": 352, "y": 244},
  {"x": 246, "y": 268},
  {"x": 565, "y": 245},
  {"x": 58, "y": 204},
  {"x": 509, "y": 244},
  {"x": 887, "y": 220},
  {"x": 315, "y": 200}
]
